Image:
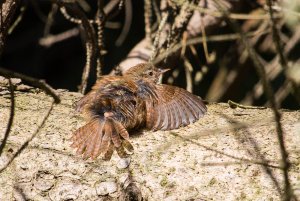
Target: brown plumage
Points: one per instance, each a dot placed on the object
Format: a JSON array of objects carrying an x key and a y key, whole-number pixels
[{"x": 118, "y": 104}]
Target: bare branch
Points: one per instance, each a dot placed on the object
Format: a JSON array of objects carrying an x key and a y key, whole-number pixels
[
  {"x": 41, "y": 84},
  {"x": 148, "y": 18},
  {"x": 49, "y": 40},
  {"x": 100, "y": 19},
  {"x": 127, "y": 23},
  {"x": 92, "y": 50},
  {"x": 11, "y": 116},
  {"x": 235, "y": 105}
]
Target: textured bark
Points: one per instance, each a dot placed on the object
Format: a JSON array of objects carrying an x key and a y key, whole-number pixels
[
  {"x": 216, "y": 158},
  {"x": 7, "y": 8}
]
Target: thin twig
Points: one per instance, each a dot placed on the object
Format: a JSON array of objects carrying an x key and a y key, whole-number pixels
[
  {"x": 111, "y": 5},
  {"x": 197, "y": 40},
  {"x": 50, "y": 20},
  {"x": 107, "y": 9},
  {"x": 156, "y": 11},
  {"x": 290, "y": 11},
  {"x": 100, "y": 19},
  {"x": 209, "y": 58},
  {"x": 18, "y": 20},
  {"x": 11, "y": 116},
  {"x": 41, "y": 84},
  {"x": 157, "y": 36},
  {"x": 69, "y": 17},
  {"x": 83, "y": 4},
  {"x": 92, "y": 51},
  {"x": 148, "y": 18},
  {"x": 87, "y": 68},
  {"x": 235, "y": 105},
  {"x": 237, "y": 16},
  {"x": 52, "y": 39},
  {"x": 180, "y": 23},
  {"x": 239, "y": 163},
  {"x": 127, "y": 23},
  {"x": 188, "y": 74},
  {"x": 21, "y": 149}
]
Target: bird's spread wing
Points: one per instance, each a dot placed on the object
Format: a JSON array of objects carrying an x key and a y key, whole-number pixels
[{"x": 175, "y": 107}]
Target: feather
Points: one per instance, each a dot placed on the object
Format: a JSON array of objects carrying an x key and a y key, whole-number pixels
[
  {"x": 101, "y": 137},
  {"x": 109, "y": 153},
  {"x": 176, "y": 107},
  {"x": 126, "y": 144},
  {"x": 118, "y": 103}
]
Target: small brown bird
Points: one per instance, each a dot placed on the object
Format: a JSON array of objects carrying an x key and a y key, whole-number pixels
[{"x": 118, "y": 104}]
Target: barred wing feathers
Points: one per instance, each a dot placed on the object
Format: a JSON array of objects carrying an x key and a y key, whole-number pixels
[
  {"x": 101, "y": 137},
  {"x": 175, "y": 107}
]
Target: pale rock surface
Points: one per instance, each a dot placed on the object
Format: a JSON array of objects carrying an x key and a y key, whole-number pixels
[{"x": 217, "y": 158}]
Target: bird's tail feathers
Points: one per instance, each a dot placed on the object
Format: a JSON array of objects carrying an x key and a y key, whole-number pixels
[{"x": 102, "y": 137}]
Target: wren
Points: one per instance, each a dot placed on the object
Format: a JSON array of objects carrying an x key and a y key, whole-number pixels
[{"x": 117, "y": 105}]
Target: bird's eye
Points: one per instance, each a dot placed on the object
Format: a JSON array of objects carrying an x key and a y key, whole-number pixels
[{"x": 150, "y": 73}]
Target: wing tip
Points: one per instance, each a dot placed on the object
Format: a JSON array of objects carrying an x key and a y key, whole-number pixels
[{"x": 179, "y": 109}]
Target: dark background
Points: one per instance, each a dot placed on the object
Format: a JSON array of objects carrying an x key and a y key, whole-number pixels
[{"x": 62, "y": 63}]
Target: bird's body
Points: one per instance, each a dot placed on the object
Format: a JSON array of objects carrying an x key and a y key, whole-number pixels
[{"x": 118, "y": 104}]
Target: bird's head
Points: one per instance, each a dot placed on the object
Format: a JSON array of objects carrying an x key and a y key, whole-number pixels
[{"x": 145, "y": 71}]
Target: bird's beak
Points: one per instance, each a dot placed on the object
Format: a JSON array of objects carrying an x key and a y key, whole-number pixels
[{"x": 162, "y": 71}]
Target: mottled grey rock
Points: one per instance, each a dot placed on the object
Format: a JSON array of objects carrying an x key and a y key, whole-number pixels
[
  {"x": 123, "y": 163},
  {"x": 217, "y": 158},
  {"x": 105, "y": 188}
]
